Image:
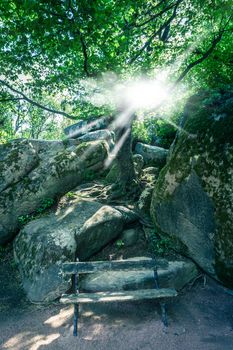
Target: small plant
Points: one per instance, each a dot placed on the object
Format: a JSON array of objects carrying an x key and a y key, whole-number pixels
[
  {"x": 46, "y": 204},
  {"x": 163, "y": 246},
  {"x": 24, "y": 219},
  {"x": 160, "y": 246},
  {"x": 70, "y": 195},
  {"x": 120, "y": 243}
]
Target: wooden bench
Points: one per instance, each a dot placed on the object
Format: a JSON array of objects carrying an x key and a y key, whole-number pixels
[{"x": 77, "y": 298}]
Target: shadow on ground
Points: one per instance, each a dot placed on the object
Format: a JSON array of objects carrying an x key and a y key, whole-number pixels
[{"x": 199, "y": 318}]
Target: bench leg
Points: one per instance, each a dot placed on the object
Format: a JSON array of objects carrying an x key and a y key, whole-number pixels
[
  {"x": 75, "y": 330},
  {"x": 164, "y": 314}
]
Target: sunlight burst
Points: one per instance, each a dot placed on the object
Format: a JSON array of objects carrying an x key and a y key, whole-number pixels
[{"x": 145, "y": 94}]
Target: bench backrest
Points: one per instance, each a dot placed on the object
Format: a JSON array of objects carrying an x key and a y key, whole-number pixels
[{"x": 112, "y": 265}]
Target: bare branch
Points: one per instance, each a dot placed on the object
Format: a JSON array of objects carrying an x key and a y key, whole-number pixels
[{"x": 34, "y": 103}]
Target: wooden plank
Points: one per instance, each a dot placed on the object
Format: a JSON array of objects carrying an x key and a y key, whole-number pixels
[
  {"x": 104, "y": 297},
  {"x": 113, "y": 265}
]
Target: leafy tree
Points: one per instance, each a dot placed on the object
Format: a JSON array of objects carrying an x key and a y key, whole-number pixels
[{"x": 50, "y": 47}]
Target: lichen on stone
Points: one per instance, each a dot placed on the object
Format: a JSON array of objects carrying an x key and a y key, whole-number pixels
[{"x": 205, "y": 146}]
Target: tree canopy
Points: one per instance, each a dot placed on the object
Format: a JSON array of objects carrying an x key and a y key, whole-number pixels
[{"x": 49, "y": 48}]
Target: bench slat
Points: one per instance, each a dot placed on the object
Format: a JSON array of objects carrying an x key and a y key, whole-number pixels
[
  {"x": 118, "y": 296},
  {"x": 114, "y": 265}
]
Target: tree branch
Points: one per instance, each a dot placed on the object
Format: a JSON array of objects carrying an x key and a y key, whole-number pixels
[
  {"x": 163, "y": 26},
  {"x": 83, "y": 44},
  {"x": 155, "y": 16},
  {"x": 10, "y": 99},
  {"x": 204, "y": 55},
  {"x": 84, "y": 49},
  {"x": 34, "y": 103},
  {"x": 148, "y": 12},
  {"x": 78, "y": 32}
]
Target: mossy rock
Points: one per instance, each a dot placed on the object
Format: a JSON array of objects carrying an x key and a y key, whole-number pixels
[
  {"x": 79, "y": 228},
  {"x": 49, "y": 174},
  {"x": 113, "y": 174},
  {"x": 192, "y": 199}
]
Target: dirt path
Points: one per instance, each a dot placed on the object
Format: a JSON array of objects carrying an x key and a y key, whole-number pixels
[{"x": 200, "y": 318}]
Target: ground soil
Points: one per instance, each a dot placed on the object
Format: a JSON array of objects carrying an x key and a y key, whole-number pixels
[{"x": 201, "y": 317}]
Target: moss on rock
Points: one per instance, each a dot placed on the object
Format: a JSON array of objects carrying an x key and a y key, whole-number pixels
[
  {"x": 49, "y": 175},
  {"x": 204, "y": 147}
]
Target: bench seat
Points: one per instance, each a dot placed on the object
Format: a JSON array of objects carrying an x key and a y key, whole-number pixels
[
  {"x": 77, "y": 268},
  {"x": 131, "y": 295}
]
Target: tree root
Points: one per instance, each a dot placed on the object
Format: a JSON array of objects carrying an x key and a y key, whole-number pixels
[{"x": 129, "y": 190}]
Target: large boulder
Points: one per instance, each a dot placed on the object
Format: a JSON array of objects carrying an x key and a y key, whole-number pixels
[
  {"x": 100, "y": 229},
  {"x": 192, "y": 200},
  {"x": 82, "y": 127},
  {"x": 171, "y": 274},
  {"x": 34, "y": 171},
  {"x": 16, "y": 160},
  {"x": 99, "y": 135},
  {"x": 152, "y": 154},
  {"x": 80, "y": 228},
  {"x": 76, "y": 130}
]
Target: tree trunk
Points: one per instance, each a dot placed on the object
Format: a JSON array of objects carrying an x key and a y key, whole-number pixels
[
  {"x": 127, "y": 181},
  {"x": 124, "y": 159}
]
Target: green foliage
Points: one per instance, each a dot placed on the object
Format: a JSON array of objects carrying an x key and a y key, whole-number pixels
[
  {"x": 160, "y": 246},
  {"x": 163, "y": 246},
  {"x": 154, "y": 132},
  {"x": 46, "y": 204},
  {"x": 24, "y": 219},
  {"x": 141, "y": 133},
  {"x": 165, "y": 133},
  {"x": 70, "y": 195},
  {"x": 53, "y": 51},
  {"x": 119, "y": 244}
]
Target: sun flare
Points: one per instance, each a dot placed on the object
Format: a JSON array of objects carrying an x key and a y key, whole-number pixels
[{"x": 144, "y": 94}]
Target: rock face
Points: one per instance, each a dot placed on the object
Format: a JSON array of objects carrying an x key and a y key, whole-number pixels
[
  {"x": 32, "y": 171},
  {"x": 99, "y": 135},
  {"x": 144, "y": 200},
  {"x": 192, "y": 201},
  {"x": 105, "y": 225},
  {"x": 82, "y": 127},
  {"x": 176, "y": 275},
  {"x": 113, "y": 174},
  {"x": 152, "y": 154},
  {"x": 129, "y": 237},
  {"x": 148, "y": 178},
  {"x": 80, "y": 229},
  {"x": 77, "y": 129}
]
